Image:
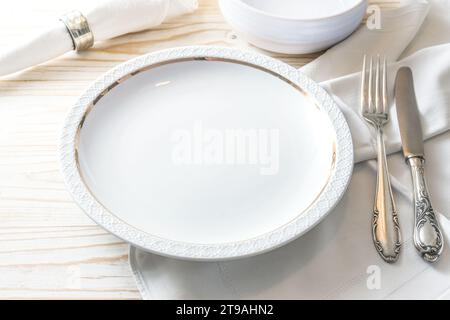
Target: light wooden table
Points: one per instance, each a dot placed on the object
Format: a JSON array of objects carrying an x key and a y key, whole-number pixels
[{"x": 48, "y": 246}]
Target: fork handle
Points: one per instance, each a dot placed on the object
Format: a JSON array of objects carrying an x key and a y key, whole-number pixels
[
  {"x": 427, "y": 232},
  {"x": 385, "y": 226}
]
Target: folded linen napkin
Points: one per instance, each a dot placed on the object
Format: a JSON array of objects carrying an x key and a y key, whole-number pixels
[
  {"x": 398, "y": 29},
  {"x": 107, "y": 19},
  {"x": 337, "y": 259}
]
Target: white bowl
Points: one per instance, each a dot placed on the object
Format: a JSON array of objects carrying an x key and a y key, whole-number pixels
[{"x": 294, "y": 26}]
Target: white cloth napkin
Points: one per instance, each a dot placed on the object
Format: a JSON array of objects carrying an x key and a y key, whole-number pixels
[
  {"x": 107, "y": 19},
  {"x": 337, "y": 258}
]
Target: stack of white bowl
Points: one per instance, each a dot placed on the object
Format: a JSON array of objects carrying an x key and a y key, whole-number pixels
[{"x": 294, "y": 26}]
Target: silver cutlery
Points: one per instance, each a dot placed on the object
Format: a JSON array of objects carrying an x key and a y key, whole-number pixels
[
  {"x": 427, "y": 232},
  {"x": 374, "y": 109}
]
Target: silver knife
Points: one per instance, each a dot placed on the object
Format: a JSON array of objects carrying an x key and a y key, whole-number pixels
[{"x": 428, "y": 237}]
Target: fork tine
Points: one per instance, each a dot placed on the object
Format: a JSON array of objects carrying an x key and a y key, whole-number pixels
[
  {"x": 370, "y": 95},
  {"x": 385, "y": 86},
  {"x": 364, "y": 86},
  {"x": 377, "y": 87}
]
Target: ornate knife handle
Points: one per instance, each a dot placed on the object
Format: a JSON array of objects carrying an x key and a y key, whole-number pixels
[
  {"x": 427, "y": 232},
  {"x": 385, "y": 226}
]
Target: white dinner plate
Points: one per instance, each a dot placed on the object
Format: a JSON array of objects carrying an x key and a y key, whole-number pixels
[{"x": 206, "y": 153}]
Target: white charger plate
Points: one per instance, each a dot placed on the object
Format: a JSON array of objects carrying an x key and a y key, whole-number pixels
[{"x": 140, "y": 153}]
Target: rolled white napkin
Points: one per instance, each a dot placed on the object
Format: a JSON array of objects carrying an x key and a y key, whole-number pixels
[
  {"x": 337, "y": 258},
  {"x": 107, "y": 19}
]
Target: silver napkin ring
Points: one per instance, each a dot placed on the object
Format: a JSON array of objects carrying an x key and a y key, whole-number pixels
[{"x": 78, "y": 27}]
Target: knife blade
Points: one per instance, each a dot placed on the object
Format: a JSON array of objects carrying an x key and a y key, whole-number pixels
[
  {"x": 428, "y": 238},
  {"x": 408, "y": 114}
]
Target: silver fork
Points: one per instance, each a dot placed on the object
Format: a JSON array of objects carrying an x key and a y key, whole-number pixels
[{"x": 374, "y": 109}]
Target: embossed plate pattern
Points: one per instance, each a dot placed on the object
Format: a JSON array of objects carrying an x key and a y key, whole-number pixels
[{"x": 82, "y": 150}]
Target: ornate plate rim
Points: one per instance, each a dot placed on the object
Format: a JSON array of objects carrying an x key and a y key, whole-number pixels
[{"x": 326, "y": 201}]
